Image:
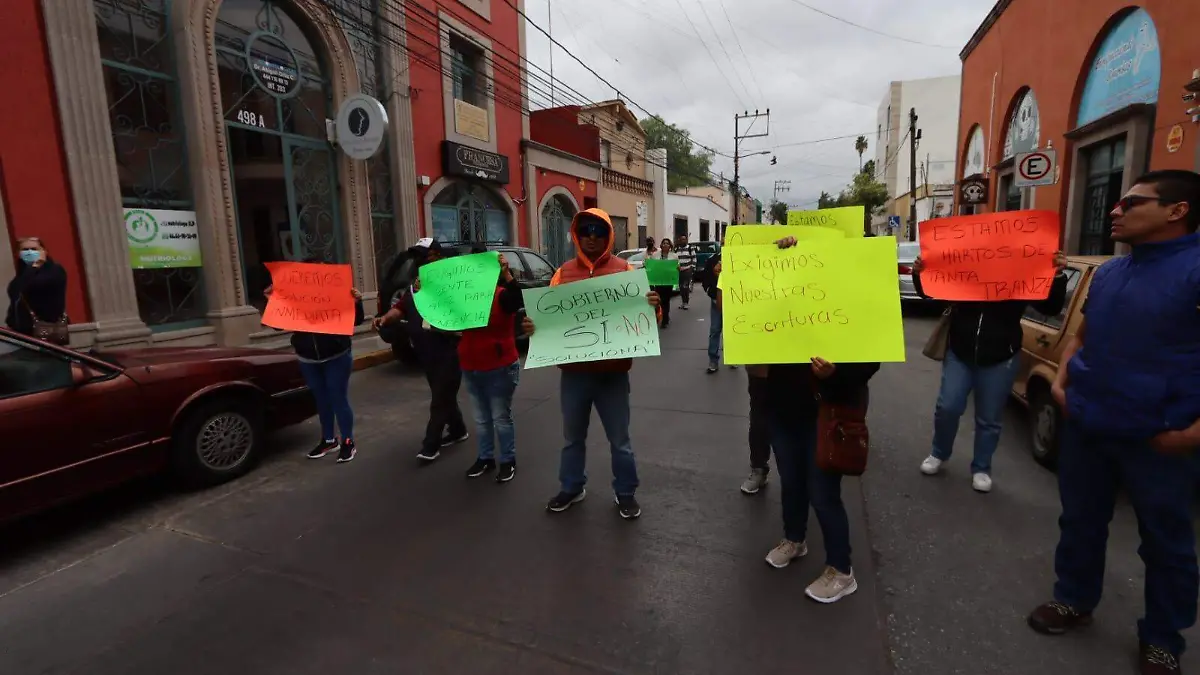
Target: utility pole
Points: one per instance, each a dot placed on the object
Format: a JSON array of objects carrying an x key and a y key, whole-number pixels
[
  {"x": 914, "y": 136},
  {"x": 738, "y": 137},
  {"x": 782, "y": 186},
  {"x": 550, "y": 30}
]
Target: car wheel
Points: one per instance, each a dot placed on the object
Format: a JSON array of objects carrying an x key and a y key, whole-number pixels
[
  {"x": 1045, "y": 420},
  {"x": 217, "y": 441}
]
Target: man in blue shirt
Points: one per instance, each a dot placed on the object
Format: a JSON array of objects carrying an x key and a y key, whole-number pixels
[{"x": 1130, "y": 392}]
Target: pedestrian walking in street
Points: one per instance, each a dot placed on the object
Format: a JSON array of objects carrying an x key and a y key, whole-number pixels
[
  {"x": 665, "y": 292},
  {"x": 794, "y": 393},
  {"x": 491, "y": 367},
  {"x": 1130, "y": 391},
  {"x": 651, "y": 250},
  {"x": 982, "y": 352},
  {"x": 709, "y": 278},
  {"x": 687, "y": 268},
  {"x": 602, "y": 384},
  {"x": 437, "y": 351},
  {"x": 37, "y": 295},
  {"x": 326, "y": 362}
]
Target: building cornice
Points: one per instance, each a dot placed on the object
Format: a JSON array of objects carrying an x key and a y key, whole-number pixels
[{"x": 988, "y": 22}]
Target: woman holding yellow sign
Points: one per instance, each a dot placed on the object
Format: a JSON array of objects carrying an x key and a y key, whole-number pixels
[{"x": 800, "y": 399}]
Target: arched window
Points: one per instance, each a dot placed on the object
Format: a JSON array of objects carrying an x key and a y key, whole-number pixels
[
  {"x": 1024, "y": 127},
  {"x": 556, "y": 229},
  {"x": 464, "y": 212}
]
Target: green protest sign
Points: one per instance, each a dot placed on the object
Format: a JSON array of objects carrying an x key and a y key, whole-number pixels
[
  {"x": 456, "y": 293},
  {"x": 662, "y": 272},
  {"x": 595, "y": 319}
]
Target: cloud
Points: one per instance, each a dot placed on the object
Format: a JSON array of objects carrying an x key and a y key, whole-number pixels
[{"x": 820, "y": 77}]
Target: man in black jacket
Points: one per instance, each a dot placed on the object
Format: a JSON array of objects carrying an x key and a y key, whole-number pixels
[
  {"x": 982, "y": 354},
  {"x": 438, "y": 353}
]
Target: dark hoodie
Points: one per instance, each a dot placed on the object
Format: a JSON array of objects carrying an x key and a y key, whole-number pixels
[
  {"x": 40, "y": 290},
  {"x": 987, "y": 333},
  {"x": 320, "y": 346}
]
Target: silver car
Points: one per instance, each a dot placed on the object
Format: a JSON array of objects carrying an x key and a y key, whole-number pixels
[{"x": 906, "y": 253}]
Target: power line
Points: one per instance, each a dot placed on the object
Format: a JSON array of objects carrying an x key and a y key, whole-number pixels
[
  {"x": 738, "y": 40},
  {"x": 869, "y": 29},
  {"x": 721, "y": 44},
  {"x": 594, "y": 73},
  {"x": 704, "y": 43}
]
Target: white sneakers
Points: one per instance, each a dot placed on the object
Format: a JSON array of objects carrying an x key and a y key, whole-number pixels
[
  {"x": 980, "y": 482},
  {"x": 931, "y": 466}
]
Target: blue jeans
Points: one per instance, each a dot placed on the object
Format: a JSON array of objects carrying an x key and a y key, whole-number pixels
[
  {"x": 992, "y": 386},
  {"x": 329, "y": 382},
  {"x": 794, "y": 440},
  {"x": 1090, "y": 470},
  {"x": 492, "y": 394},
  {"x": 714, "y": 335},
  {"x": 609, "y": 392}
]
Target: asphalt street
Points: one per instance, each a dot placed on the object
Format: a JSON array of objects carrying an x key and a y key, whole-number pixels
[{"x": 384, "y": 566}]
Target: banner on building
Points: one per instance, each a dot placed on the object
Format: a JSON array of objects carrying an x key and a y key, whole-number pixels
[{"x": 160, "y": 239}]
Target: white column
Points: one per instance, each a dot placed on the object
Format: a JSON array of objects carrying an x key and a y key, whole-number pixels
[
  {"x": 92, "y": 168},
  {"x": 399, "y": 109}
]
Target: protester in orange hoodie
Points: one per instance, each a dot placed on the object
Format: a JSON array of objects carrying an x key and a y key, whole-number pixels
[{"x": 603, "y": 384}]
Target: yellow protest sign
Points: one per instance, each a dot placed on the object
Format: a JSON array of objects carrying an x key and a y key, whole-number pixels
[
  {"x": 848, "y": 219},
  {"x": 834, "y": 299},
  {"x": 748, "y": 235}
]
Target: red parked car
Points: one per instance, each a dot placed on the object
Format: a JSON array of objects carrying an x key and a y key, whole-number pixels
[{"x": 78, "y": 423}]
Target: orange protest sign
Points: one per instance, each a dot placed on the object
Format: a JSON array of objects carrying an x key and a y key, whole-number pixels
[
  {"x": 992, "y": 256},
  {"x": 310, "y": 297}
]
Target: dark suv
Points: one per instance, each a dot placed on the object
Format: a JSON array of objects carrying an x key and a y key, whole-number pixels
[{"x": 528, "y": 266}]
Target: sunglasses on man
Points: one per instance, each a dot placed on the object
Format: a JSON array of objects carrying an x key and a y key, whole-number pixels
[
  {"x": 1133, "y": 201},
  {"x": 593, "y": 229}
]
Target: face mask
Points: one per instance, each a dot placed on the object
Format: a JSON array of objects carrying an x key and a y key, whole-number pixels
[{"x": 30, "y": 256}]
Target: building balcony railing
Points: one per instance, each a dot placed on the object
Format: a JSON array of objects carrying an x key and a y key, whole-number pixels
[{"x": 615, "y": 180}]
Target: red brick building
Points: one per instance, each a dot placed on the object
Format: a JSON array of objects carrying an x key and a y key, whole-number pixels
[
  {"x": 1100, "y": 82},
  {"x": 562, "y": 165}
]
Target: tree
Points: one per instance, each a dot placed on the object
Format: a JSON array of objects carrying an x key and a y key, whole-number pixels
[
  {"x": 778, "y": 212},
  {"x": 826, "y": 201},
  {"x": 686, "y": 167},
  {"x": 868, "y": 193},
  {"x": 860, "y": 145}
]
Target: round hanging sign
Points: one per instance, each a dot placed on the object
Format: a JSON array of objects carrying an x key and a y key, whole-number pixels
[
  {"x": 361, "y": 126},
  {"x": 273, "y": 64}
]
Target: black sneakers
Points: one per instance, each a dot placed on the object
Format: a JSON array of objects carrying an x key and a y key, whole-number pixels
[
  {"x": 480, "y": 467},
  {"x": 712, "y": 368},
  {"x": 628, "y": 507},
  {"x": 454, "y": 440},
  {"x": 324, "y": 448},
  {"x": 348, "y": 451},
  {"x": 565, "y": 500},
  {"x": 508, "y": 471},
  {"x": 428, "y": 455}
]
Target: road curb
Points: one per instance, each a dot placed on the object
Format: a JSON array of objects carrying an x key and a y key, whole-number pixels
[{"x": 372, "y": 359}]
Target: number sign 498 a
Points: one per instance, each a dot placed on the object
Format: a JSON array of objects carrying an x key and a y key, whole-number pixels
[{"x": 251, "y": 119}]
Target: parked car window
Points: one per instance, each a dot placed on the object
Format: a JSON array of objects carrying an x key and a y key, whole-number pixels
[
  {"x": 539, "y": 268},
  {"x": 637, "y": 257},
  {"x": 27, "y": 370},
  {"x": 908, "y": 251},
  {"x": 1056, "y": 322},
  {"x": 519, "y": 272}
]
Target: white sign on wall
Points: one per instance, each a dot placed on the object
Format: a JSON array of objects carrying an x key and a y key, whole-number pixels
[{"x": 361, "y": 126}]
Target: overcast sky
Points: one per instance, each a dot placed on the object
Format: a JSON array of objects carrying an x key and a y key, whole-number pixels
[{"x": 820, "y": 77}]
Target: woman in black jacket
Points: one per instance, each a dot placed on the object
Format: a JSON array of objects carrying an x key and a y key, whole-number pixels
[
  {"x": 38, "y": 293},
  {"x": 982, "y": 354},
  {"x": 793, "y": 393},
  {"x": 326, "y": 362}
]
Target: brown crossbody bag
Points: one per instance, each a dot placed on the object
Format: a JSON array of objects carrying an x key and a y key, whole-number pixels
[{"x": 54, "y": 332}]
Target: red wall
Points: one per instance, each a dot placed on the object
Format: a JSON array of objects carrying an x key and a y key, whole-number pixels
[
  {"x": 547, "y": 179},
  {"x": 1047, "y": 46},
  {"x": 37, "y": 195},
  {"x": 560, "y": 128},
  {"x": 429, "y": 123}
]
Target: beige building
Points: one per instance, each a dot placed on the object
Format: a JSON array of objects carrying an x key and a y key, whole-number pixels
[{"x": 627, "y": 180}]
